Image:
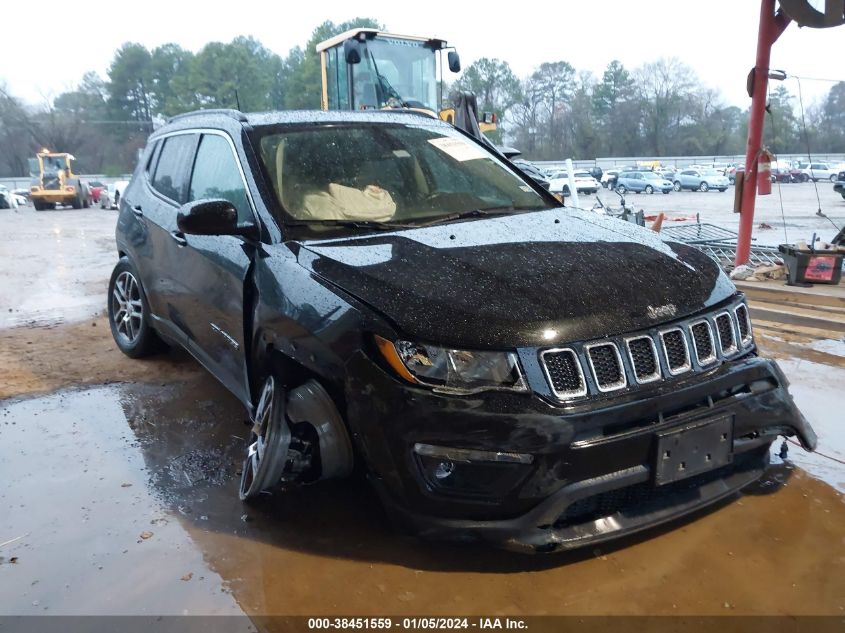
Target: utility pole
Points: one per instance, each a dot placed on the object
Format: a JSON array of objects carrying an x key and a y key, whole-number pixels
[
  {"x": 772, "y": 25},
  {"x": 805, "y": 13}
]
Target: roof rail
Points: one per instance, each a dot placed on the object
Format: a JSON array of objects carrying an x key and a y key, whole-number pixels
[{"x": 229, "y": 112}]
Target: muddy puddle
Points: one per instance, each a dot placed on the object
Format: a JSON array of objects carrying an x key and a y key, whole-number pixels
[{"x": 125, "y": 498}]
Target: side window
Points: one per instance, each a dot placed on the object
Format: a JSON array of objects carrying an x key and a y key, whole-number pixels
[
  {"x": 151, "y": 161},
  {"x": 216, "y": 175},
  {"x": 174, "y": 162}
]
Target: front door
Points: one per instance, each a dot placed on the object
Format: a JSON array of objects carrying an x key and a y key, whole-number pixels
[{"x": 213, "y": 268}]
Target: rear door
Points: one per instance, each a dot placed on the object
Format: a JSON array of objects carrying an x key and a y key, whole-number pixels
[
  {"x": 166, "y": 190},
  {"x": 213, "y": 268}
]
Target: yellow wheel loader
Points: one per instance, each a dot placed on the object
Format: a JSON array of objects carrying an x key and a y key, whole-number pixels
[
  {"x": 53, "y": 182},
  {"x": 367, "y": 69}
]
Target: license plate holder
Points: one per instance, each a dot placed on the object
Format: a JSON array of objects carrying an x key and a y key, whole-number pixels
[{"x": 694, "y": 449}]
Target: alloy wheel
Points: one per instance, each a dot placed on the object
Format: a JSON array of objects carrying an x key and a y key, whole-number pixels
[
  {"x": 268, "y": 444},
  {"x": 127, "y": 307}
]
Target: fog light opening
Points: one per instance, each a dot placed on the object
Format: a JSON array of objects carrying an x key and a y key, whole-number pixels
[{"x": 444, "y": 470}]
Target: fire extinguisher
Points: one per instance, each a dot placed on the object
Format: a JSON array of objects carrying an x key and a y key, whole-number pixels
[{"x": 764, "y": 173}]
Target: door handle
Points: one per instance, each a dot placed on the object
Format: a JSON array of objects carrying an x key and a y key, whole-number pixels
[
  {"x": 137, "y": 210},
  {"x": 179, "y": 238}
]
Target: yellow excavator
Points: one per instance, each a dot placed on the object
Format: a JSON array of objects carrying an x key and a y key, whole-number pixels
[
  {"x": 368, "y": 69},
  {"x": 53, "y": 182}
]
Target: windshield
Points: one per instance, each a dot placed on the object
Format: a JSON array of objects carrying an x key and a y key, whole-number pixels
[
  {"x": 388, "y": 173},
  {"x": 34, "y": 169},
  {"x": 395, "y": 73},
  {"x": 53, "y": 163}
]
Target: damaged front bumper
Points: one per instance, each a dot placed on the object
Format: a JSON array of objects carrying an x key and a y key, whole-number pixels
[{"x": 568, "y": 477}]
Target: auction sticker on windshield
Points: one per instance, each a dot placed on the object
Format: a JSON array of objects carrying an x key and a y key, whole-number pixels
[{"x": 456, "y": 148}]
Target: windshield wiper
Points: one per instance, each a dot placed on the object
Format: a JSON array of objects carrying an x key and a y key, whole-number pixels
[
  {"x": 355, "y": 224},
  {"x": 475, "y": 213}
]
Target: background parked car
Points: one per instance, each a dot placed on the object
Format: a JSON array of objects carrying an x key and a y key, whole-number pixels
[
  {"x": 96, "y": 188},
  {"x": 7, "y": 199},
  {"x": 112, "y": 194},
  {"x": 817, "y": 171},
  {"x": 608, "y": 178},
  {"x": 839, "y": 185},
  {"x": 584, "y": 182},
  {"x": 642, "y": 181},
  {"x": 700, "y": 180}
]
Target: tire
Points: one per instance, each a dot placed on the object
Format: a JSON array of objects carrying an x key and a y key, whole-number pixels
[
  {"x": 677, "y": 185},
  {"x": 268, "y": 445},
  {"x": 649, "y": 189},
  {"x": 129, "y": 313},
  {"x": 621, "y": 189},
  {"x": 666, "y": 193},
  {"x": 77, "y": 202},
  {"x": 704, "y": 187},
  {"x": 86, "y": 203},
  {"x": 723, "y": 189},
  {"x": 832, "y": 178}
]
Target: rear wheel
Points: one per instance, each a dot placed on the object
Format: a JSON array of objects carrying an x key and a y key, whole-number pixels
[
  {"x": 704, "y": 187},
  {"x": 649, "y": 189},
  {"x": 129, "y": 313},
  {"x": 676, "y": 185},
  {"x": 832, "y": 178}
]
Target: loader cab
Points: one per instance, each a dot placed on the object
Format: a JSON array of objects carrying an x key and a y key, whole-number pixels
[
  {"x": 366, "y": 69},
  {"x": 50, "y": 163}
]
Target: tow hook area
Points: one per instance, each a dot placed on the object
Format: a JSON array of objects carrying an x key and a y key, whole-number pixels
[{"x": 297, "y": 437}]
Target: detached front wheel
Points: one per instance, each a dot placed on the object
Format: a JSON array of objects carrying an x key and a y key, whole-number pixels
[{"x": 269, "y": 441}]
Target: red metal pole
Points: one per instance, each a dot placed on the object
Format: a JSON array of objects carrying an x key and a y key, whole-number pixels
[{"x": 771, "y": 26}]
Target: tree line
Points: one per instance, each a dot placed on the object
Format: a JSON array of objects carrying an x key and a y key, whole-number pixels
[{"x": 658, "y": 109}]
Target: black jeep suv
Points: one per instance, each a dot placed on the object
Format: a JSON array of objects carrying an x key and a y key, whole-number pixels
[{"x": 380, "y": 289}]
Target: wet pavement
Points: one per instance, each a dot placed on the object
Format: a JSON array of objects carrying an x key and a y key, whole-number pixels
[{"x": 119, "y": 496}]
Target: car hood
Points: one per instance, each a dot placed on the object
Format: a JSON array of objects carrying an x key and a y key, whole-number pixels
[{"x": 531, "y": 279}]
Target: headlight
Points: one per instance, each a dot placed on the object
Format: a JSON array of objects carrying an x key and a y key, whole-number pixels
[{"x": 453, "y": 370}]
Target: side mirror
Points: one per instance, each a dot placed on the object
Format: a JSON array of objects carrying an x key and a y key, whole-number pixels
[
  {"x": 352, "y": 51},
  {"x": 454, "y": 61},
  {"x": 210, "y": 217}
]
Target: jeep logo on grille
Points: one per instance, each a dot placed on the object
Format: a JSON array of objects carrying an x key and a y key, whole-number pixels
[{"x": 662, "y": 312}]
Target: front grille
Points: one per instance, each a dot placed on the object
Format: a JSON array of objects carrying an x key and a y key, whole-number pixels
[
  {"x": 643, "y": 357},
  {"x": 675, "y": 347},
  {"x": 650, "y": 356},
  {"x": 607, "y": 366},
  {"x": 744, "y": 324},
  {"x": 726, "y": 333},
  {"x": 702, "y": 339},
  {"x": 564, "y": 373}
]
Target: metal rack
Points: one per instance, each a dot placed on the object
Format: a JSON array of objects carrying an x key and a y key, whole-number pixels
[{"x": 719, "y": 243}]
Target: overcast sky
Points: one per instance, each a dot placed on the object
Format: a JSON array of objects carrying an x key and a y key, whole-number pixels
[{"x": 41, "y": 56}]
